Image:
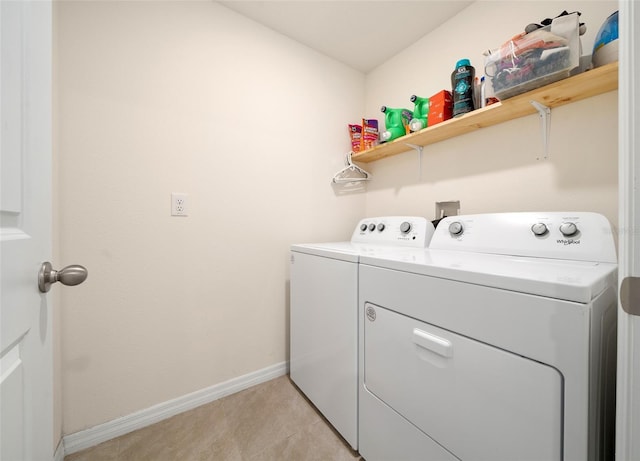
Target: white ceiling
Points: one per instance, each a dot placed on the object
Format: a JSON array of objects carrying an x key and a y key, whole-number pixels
[{"x": 360, "y": 33}]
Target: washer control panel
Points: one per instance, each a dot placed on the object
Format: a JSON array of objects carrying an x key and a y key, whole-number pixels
[
  {"x": 580, "y": 236},
  {"x": 409, "y": 231}
]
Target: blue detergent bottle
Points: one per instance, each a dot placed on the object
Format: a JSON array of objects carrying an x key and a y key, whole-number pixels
[{"x": 462, "y": 80}]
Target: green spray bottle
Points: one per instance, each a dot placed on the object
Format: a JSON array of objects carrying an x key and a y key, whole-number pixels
[
  {"x": 396, "y": 122},
  {"x": 420, "y": 113}
]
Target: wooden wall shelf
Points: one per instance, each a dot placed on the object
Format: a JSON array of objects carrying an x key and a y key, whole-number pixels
[{"x": 585, "y": 85}]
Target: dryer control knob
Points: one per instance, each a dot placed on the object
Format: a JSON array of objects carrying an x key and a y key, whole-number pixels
[
  {"x": 539, "y": 229},
  {"x": 363, "y": 227},
  {"x": 568, "y": 229},
  {"x": 405, "y": 227},
  {"x": 381, "y": 227},
  {"x": 372, "y": 227},
  {"x": 456, "y": 228}
]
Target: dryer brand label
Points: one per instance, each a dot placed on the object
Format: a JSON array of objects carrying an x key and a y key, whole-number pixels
[
  {"x": 568, "y": 242},
  {"x": 371, "y": 314}
]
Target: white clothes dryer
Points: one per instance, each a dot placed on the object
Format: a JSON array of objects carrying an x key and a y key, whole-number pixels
[
  {"x": 324, "y": 313},
  {"x": 498, "y": 343}
]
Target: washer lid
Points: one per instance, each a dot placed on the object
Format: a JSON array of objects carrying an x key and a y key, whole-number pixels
[
  {"x": 345, "y": 251},
  {"x": 579, "y": 281},
  {"x": 348, "y": 251}
]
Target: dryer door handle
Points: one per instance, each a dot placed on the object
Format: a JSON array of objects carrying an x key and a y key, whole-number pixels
[{"x": 433, "y": 343}]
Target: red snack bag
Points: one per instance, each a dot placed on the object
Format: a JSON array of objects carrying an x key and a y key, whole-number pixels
[
  {"x": 369, "y": 133},
  {"x": 355, "y": 131}
]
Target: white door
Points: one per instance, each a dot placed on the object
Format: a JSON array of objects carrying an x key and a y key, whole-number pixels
[
  {"x": 26, "y": 383},
  {"x": 628, "y": 392}
]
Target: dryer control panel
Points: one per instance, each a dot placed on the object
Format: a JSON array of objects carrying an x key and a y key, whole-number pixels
[
  {"x": 577, "y": 236},
  {"x": 405, "y": 231}
]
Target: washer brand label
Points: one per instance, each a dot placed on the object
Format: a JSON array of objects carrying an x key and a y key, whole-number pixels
[
  {"x": 371, "y": 314},
  {"x": 568, "y": 242}
]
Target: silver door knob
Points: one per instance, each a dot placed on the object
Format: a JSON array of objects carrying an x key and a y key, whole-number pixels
[{"x": 70, "y": 276}]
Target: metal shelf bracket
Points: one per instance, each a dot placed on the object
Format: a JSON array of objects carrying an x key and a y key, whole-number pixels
[
  {"x": 545, "y": 119},
  {"x": 419, "y": 150}
]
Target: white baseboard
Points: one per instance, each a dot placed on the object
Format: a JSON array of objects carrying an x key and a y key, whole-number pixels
[
  {"x": 59, "y": 454},
  {"x": 78, "y": 441}
]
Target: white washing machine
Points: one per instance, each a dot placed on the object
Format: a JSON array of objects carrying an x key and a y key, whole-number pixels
[
  {"x": 497, "y": 343},
  {"x": 324, "y": 314}
]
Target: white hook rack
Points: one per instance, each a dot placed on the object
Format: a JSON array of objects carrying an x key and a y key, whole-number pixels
[
  {"x": 419, "y": 150},
  {"x": 545, "y": 119}
]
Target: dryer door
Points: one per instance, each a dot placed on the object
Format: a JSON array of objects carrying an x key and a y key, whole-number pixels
[{"x": 477, "y": 401}]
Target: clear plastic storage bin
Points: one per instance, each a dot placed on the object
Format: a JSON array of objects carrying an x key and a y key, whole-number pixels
[{"x": 532, "y": 60}]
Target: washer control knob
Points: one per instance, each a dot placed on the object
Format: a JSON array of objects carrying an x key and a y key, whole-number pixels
[
  {"x": 568, "y": 229},
  {"x": 372, "y": 227},
  {"x": 539, "y": 229},
  {"x": 456, "y": 228},
  {"x": 363, "y": 227},
  {"x": 381, "y": 227},
  {"x": 405, "y": 227}
]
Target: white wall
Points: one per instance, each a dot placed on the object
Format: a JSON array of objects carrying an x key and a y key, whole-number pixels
[
  {"x": 155, "y": 97},
  {"x": 495, "y": 169}
]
